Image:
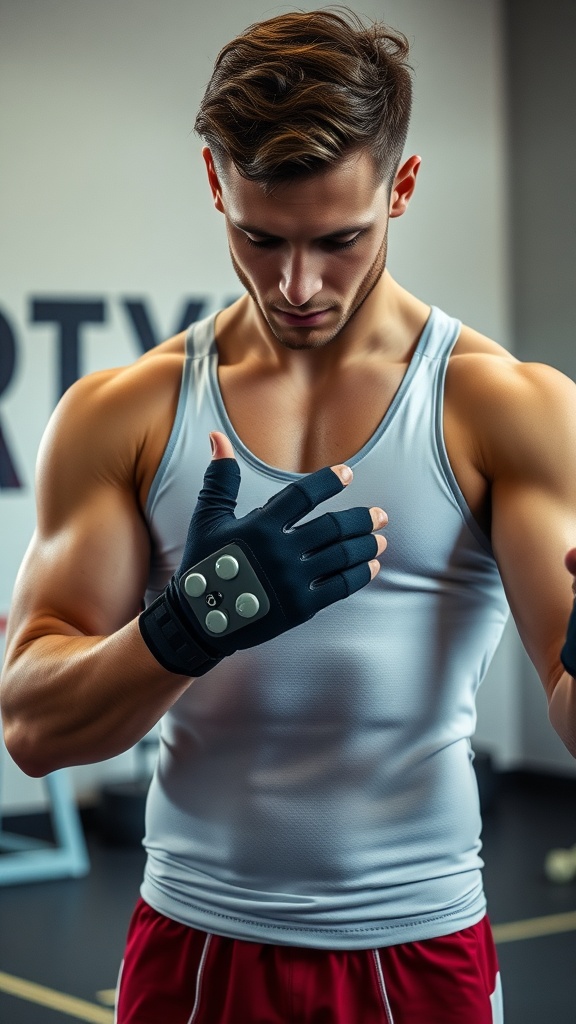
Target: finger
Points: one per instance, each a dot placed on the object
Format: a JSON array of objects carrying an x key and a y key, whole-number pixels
[
  {"x": 297, "y": 499},
  {"x": 335, "y": 588},
  {"x": 221, "y": 445},
  {"x": 382, "y": 544},
  {"x": 374, "y": 565},
  {"x": 341, "y": 556},
  {"x": 334, "y": 526},
  {"x": 379, "y": 518},
  {"x": 344, "y": 474}
]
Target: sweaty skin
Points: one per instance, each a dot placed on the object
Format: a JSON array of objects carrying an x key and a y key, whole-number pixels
[{"x": 79, "y": 684}]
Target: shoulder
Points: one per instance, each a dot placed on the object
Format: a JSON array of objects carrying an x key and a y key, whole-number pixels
[
  {"x": 174, "y": 346},
  {"x": 113, "y": 425},
  {"x": 515, "y": 412},
  {"x": 124, "y": 397}
]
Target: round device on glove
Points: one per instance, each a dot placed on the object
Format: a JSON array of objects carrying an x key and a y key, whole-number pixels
[{"x": 224, "y": 592}]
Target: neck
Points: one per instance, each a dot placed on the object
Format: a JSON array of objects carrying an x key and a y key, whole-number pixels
[{"x": 387, "y": 324}]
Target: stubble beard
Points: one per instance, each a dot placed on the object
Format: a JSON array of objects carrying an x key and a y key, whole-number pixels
[{"x": 366, "y": 286}]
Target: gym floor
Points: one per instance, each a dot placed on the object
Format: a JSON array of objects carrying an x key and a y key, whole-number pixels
[{"x": 61, "y": 942}]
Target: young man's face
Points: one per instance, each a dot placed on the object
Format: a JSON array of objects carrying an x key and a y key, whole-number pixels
[{"x": 310, "y": 253}]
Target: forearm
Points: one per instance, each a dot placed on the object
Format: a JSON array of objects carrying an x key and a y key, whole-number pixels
[
  {"x": 75, "y": 700},
  {"x": 562, "y": 711}
]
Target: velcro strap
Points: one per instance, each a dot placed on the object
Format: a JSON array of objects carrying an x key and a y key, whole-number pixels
[{"x": 170, "y": 643}]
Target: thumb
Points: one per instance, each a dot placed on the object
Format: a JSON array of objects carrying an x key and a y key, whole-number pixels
[
  {"x": 221, "y": 446},
  {"x": 217, "y": 499}
]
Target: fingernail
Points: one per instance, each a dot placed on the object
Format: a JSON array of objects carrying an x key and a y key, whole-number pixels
[
  {"x": 212, "y": 445},
  {"x": 345, "y": 474},
  {"x": 374, "y": 567}
]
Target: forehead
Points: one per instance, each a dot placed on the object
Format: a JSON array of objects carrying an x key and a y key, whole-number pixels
[{"x": 319, "y": 204}]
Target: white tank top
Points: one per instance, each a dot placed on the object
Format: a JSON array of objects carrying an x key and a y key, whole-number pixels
[{"x": 318, "y": 790}]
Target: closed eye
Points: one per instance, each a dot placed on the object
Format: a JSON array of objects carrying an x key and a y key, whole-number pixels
[
  {"x": 263, "y": 243},
  {"x": 336, "y": 243},
  {"x": 332, "y": 244}
]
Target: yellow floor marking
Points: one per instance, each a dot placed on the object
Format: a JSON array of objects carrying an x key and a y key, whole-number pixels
[
  {"x": 535, "y": 927},
  {"x": 33, "y": 993},
  {"x": 107, "y": 996}
]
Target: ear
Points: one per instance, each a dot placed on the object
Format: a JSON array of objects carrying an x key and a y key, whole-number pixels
[
  {"x": 213, "y": 179},
  {"x": 404, "y": 185}
]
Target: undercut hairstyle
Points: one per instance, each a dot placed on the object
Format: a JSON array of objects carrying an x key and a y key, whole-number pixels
[{"x": 292, "y": 95}]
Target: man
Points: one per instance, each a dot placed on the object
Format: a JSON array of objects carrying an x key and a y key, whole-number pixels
[{"x": 313, "y": 826}]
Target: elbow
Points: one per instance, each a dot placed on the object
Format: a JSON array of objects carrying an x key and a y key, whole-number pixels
[
  {"x": 569, "y": 741},
  {"x": 25, "y": 736},
  {"x": 562, "y": 710},
  {"x": 26, "y": 751}
]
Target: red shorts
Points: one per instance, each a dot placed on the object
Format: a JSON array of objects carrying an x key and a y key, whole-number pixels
[{"x": 177, "y": 975}]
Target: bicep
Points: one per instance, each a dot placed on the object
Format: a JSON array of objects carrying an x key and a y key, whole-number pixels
[
  {"x": 533, "y": 526},
  {"x": 85, "y": 578},
  {"x": 86, "y": 567},
  {"x": 525, "y": 425}
]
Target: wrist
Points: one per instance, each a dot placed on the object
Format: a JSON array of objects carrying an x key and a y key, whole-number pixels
[{"x": 170, "y": 640}]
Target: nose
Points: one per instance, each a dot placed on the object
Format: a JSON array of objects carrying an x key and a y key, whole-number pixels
[{"x": 300, "y": 278}]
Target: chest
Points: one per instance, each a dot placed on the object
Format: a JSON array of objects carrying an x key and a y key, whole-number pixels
[{"x": 302, "y": 426}]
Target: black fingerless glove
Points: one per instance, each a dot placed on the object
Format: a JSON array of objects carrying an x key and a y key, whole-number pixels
[
  {"x": 243, "y": 581},
  {"x": 568, "y": 653}
]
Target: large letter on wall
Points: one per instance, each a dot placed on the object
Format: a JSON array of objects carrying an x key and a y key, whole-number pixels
[
  {"x": 148, "y": 338},
  {"x": 8, "y": 475},
  {"x": 69, "y": 314}
]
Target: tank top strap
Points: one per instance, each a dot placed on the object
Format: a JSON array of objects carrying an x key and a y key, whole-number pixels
[
  {"x": 200, "y": 337},
  {"x": 440, "y": 335}
]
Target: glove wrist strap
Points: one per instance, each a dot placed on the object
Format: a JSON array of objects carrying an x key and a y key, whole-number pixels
[{"x": 170, "y": 643}]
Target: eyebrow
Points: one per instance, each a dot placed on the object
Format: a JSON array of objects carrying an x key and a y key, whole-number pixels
[{"x": 351, "y": 230}]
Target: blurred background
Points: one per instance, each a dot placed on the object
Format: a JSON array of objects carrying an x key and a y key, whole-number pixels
[{"x": 109, "y": 242}]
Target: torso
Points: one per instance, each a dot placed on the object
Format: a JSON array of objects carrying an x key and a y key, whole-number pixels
[{"x": 280, "y": 722}]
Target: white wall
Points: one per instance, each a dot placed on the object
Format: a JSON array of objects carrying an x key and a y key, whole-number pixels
[{"x": 103, "y": 199}]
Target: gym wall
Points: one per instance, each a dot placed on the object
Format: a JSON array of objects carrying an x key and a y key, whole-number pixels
[
  {"x": 541, "y": 98},
  {"x": 110, "y": 243}
]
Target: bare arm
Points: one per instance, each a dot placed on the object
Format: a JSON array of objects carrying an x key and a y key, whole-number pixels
[
  {"x": 79, "y": 684},
  {"x": 529, "y": 448},
  {"x": 562, "y": 700}
]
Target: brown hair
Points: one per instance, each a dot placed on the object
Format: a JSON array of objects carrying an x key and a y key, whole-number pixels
[{"x": 293, "y": 94}]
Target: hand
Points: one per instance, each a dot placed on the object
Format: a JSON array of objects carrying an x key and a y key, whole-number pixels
[
  {"x": 282, "y": 574},
  {"x": 568, "y": 654}
]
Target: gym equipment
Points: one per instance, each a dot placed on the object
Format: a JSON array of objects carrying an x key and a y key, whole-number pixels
[
  {"x": 23, "y": 859},
  {"x": 560, "y": 865}
]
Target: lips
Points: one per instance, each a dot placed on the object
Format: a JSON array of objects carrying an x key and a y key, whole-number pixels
[{"x": 303, "y": 319}]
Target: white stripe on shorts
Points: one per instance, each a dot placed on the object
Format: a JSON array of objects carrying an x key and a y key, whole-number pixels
[
  {"x": 496, "y": 1002},
  {"x": 201, "y": 966},
  {"x": 382, "y": 987}
]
